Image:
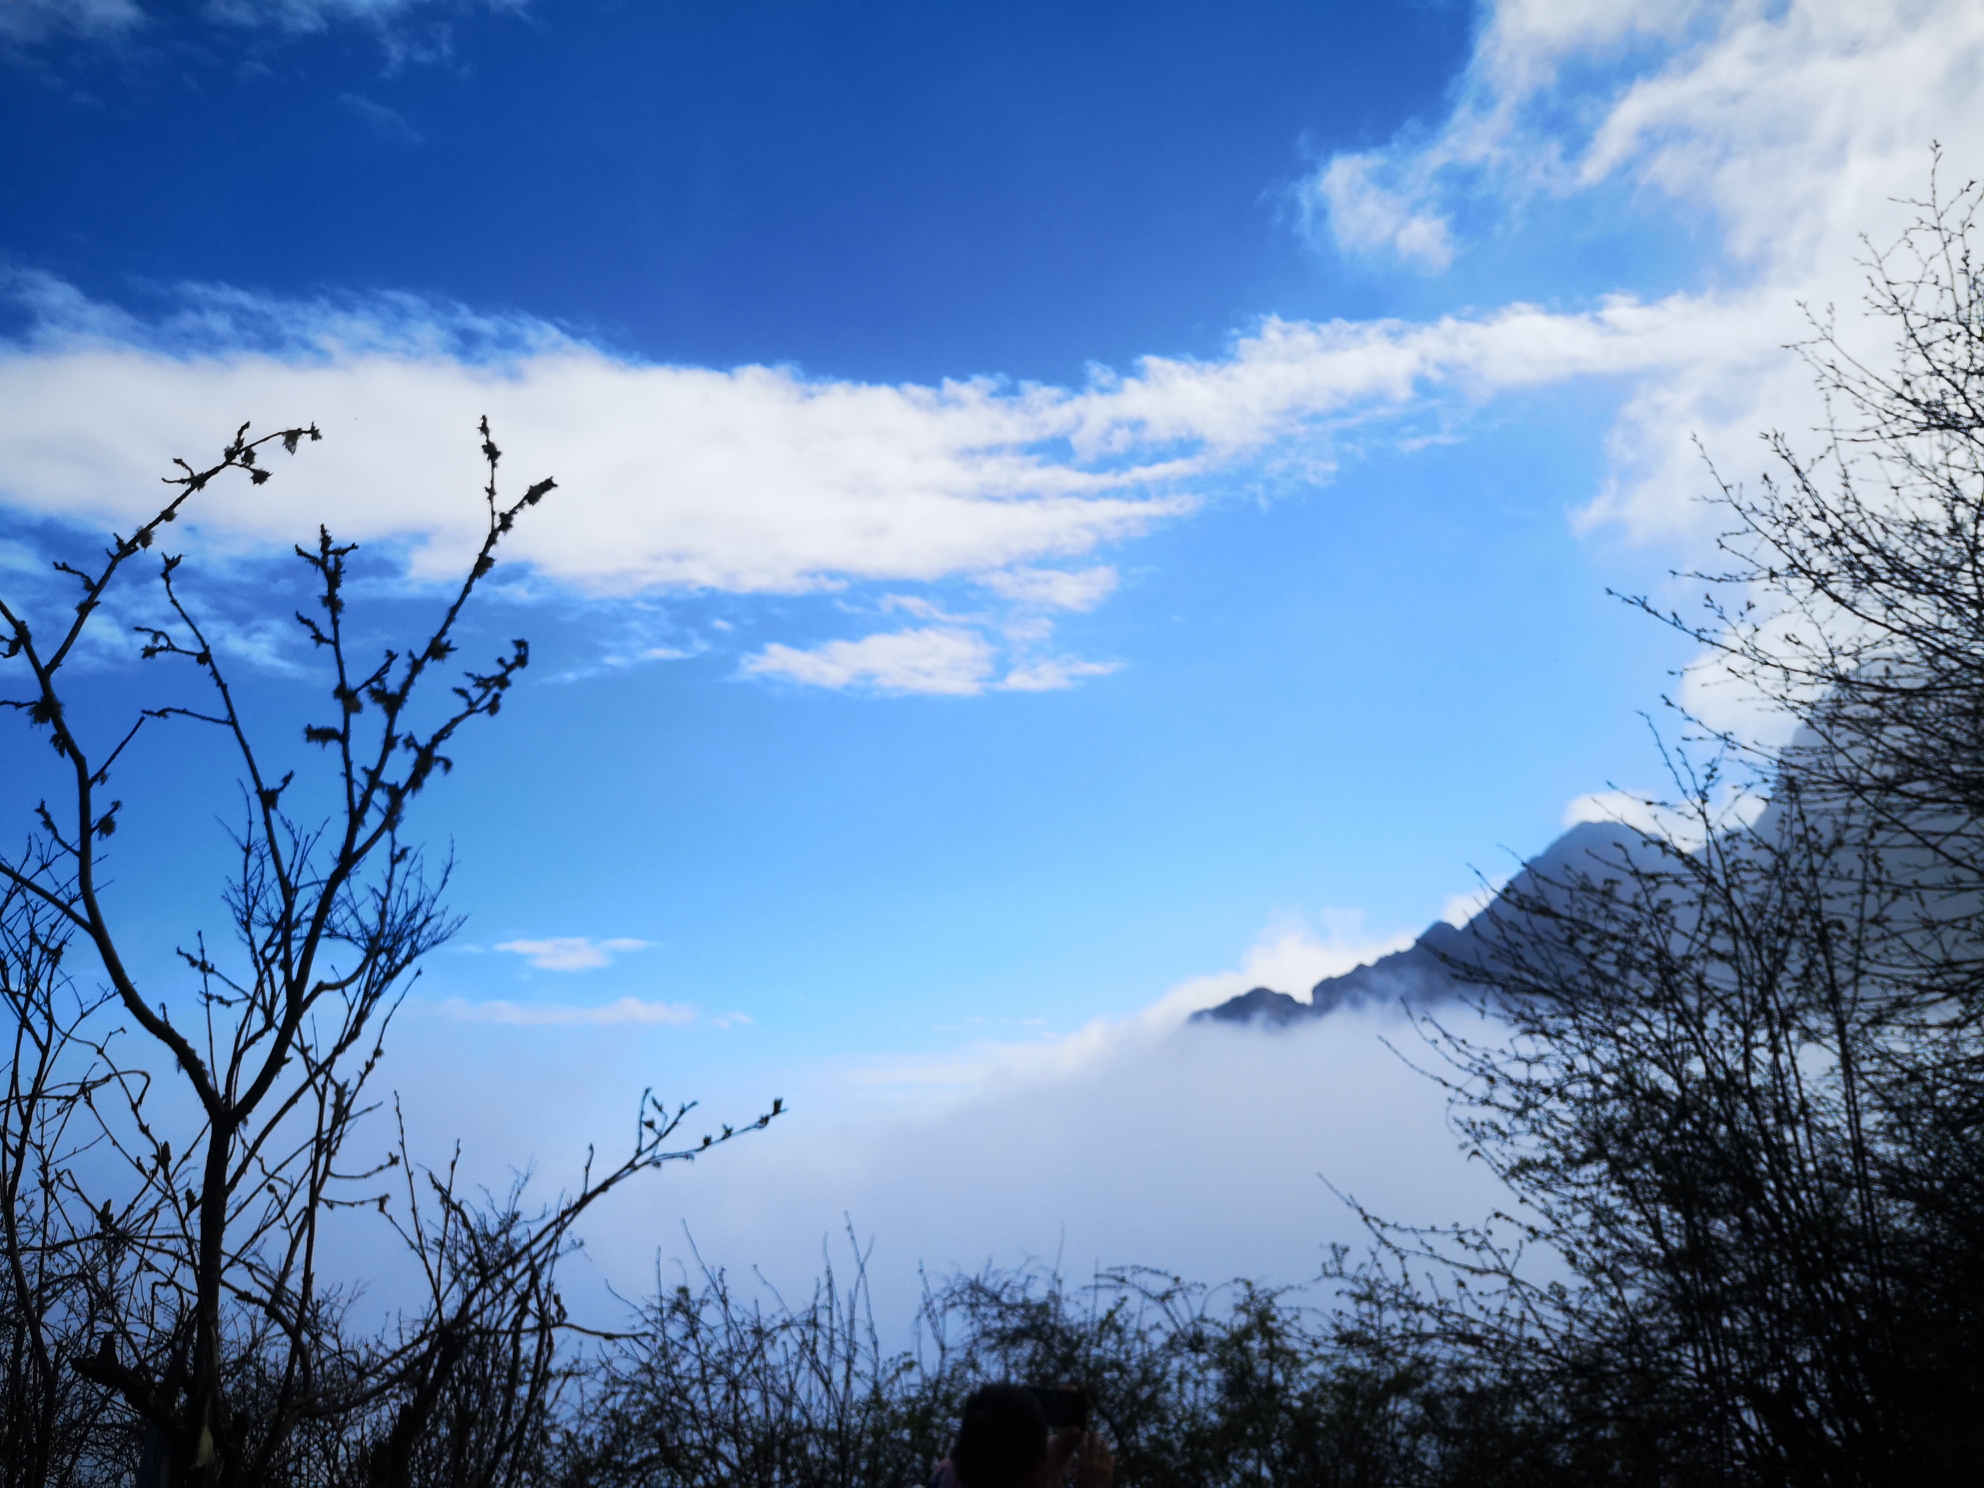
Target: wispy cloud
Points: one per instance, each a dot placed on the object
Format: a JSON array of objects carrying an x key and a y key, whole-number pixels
[
  {"x": 941, "y": 661},
  {"x": 1056, "y": 674},
  {"x": 1054, "y": 588},
  {"x": 570, "y": 952},
  {"x": 1730, "y": 806},
  {"x": 94, "y": 20},
  {"x": 755, "y": 480},
  {"x": 1788, "y": 128},
  {"x": 1291, "y": 955},
  {"x": 1132, "y": 1140},
  {"x": 956, "y": 663},
  {"x": 1365, "y": 216},
  {"x": 387, "y": 123},
  {"x": 628, "y": 1010},
  {"x": 411, "y": 30},
  {"x": 386, "y": 17},
  {"x": 1785, "y": 127}
]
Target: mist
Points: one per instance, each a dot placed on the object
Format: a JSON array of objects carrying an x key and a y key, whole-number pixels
[
  {"x": 1206, "y": 1151},
  {"x": 1209, "y": 1154}
]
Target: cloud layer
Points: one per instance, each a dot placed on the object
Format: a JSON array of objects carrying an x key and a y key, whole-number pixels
[
  {"x": 1208, "y": 1154},
  {"x": 751, "y": 481},
  {"x": 1787, "y": 130},
  {"x": 1783, "y": 128},
  {"x": 1201, "y": 1150}
]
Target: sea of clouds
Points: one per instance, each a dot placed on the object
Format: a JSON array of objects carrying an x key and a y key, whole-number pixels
[{"x": 1210, "y": 1152}]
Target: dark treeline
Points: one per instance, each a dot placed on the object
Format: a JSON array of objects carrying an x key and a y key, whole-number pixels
[
  {"x": 1733, "y": 1080},
  {"x": 1240, "y": 1386}
]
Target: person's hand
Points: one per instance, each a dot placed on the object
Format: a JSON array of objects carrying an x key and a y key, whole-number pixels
[
  {"x": 1061, "y": 1449},
  {"x": 1094, "y": 1467}
]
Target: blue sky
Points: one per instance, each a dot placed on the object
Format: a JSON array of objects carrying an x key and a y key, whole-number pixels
[
  {"x": 1064, "y": 510},
  {"x": 876, "y": 191}
]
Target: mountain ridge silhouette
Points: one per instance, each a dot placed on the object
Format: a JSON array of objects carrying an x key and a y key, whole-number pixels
[{"x": 1423, "y": 975}]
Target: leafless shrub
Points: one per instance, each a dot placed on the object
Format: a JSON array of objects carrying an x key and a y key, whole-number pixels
[{"x": 167, "y": 1186}]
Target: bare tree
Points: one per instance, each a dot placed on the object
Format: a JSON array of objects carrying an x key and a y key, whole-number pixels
[
  {"x": 182, "y": 1237},
  {"x": 57, "y": 1257},
  {"x": 1854, "y": 597},
  {"x": 1675, "y": 1089},
  {"x": 1735, "y": 1077}
]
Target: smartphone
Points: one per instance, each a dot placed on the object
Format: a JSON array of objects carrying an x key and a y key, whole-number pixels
[{"x": 1063, "y": 1405}]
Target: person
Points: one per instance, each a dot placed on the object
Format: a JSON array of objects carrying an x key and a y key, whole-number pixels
[{"x": 1003, "y": 1442}]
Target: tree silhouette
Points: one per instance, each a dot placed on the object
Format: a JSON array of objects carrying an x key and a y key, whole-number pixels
[
  {"x": 1735, "y": 1077},
  {"x": 169, "y": 1250}
]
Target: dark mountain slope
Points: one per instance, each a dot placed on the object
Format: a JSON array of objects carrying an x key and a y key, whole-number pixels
[{"x": 1421, "y": 975}]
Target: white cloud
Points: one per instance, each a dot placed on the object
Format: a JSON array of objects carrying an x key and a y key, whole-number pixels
[
  {"x": 1130, "y": 1140},
  {"x": 1291, "y": 955},
  {"x": 1726, "y": 699},
  {"x": 1365, "y": 216},
  {"x": 1202, "y": 1154},
  {"x": 946, "y": 661},
  {"x": 1633, "y": 810},
  {"x": 570, "y": 952},
  {"x": 1055, "y": 674},
  {"x": 1459, "y": 909},
  {"x": 755, "y": 480},
  {"x": 628, "y": 1010},
  {"x": 1054, "y": 588},
  {"x": 1200, "y": 1150},
  {"x": 943, "y": 660},
  {"x": 1789, "y": 127},
  {"x": 1786, "y": 127},
  {"x": 1729, "y": 806}
]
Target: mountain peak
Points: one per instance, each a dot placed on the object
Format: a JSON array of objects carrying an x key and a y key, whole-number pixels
[{"x": 1421, "y": 975}]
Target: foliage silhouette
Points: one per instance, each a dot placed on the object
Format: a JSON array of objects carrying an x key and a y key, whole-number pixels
[{"x": 163, "y": 1243}]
